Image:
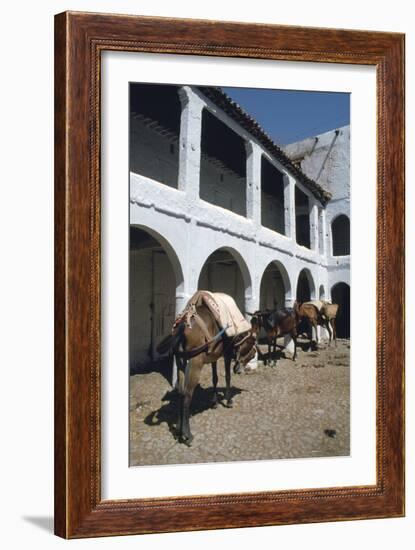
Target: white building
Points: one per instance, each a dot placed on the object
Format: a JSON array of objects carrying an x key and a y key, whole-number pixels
[
  {"x": 326, "y": 159},
  {"x": 215, "y": 204}
]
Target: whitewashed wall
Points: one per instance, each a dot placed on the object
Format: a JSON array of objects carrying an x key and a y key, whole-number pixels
[
  {"x": 326, "y": 159},
  {"x": 151, "y": 154},
  {"x": 190, "y": 229},
  {"x": 223, "y": 188}
]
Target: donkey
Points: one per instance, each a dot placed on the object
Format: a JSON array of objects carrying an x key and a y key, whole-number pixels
[
  {"x": 318, "y": 313},
  {"x": 276, "y": 323},
  {"x": 194, "y": 346},
  {"x": 329, "y": 314}
]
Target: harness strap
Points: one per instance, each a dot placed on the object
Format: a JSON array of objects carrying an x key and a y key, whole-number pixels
[
  {"x": 238, "y": 344},
  {"x": 197, "y": 351}
]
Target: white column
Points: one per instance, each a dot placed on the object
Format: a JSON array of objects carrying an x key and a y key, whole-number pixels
[
  {"x": 314, "y": 226},
  {"x": 190, "y": 142},
  {"x": 289, "y": 302},
  {"x": 324, "y": 235},
  {"x": 251, "y": 305},
  {"x": 289, "y": 207},
  {"x": 253, "y": 182},
  {"x": 288, "y": 341},
  {"x": 181, "y": 300}
]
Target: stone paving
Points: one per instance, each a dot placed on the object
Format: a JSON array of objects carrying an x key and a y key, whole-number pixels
[{"x": 295, "y": 409}]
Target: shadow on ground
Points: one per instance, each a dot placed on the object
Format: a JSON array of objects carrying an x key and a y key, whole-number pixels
[
  {"x": 163, "y": 366},
  {"x": 202, "y": 401},
  {"x": 43, "y": 522}
]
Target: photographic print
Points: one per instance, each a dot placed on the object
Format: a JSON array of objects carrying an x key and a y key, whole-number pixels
[
  {"x": 239, "y": 283},
  {"x": 202, "y": 275}
]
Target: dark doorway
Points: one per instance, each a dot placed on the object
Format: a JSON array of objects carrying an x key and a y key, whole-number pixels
[
  {"x": 273, "y": 289},
  {"x": 152, "y": 298},
  {"x": 340, "y": 294},
  {"x": 303, "y": 287},
  {"x": 221, "y": 273}
]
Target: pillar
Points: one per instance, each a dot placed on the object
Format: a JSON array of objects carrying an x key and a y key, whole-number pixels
[
  {"x": 251, "y": 305},
  {"x": 314, "y": 227},
  {"x": 324, "y": 235},
  {"x": 181, "y": 300},
  {"x": 253, "y": 182},
  {"x": 190, "y": 142},
  {"x": 289, "y": 207}
]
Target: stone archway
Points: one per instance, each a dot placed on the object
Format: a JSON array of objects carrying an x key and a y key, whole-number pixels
[
  {"x": 225, "y": 271},
  {"x": 306, "y": 289},
  {"x": 155, "y": 279},
  {"x": 275, "y": 289}
]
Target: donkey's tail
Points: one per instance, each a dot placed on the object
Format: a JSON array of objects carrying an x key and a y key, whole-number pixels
[{"x": 172, "y": 340}]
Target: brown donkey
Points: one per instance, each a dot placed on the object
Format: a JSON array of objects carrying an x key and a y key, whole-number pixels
[
  {"x": 310, "y": 313},
  {"x": 276, "y": 323},
  {"x": 194, "y": 346},
  {"x": 329, "y": 314}
]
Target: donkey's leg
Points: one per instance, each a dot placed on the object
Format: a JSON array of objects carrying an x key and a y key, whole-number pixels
[
  {"x": 180, "y": 388},
  {"x": 327, "y": 325},
  {"x": 192, "y": 377},
  {"x": 314, "y": 333},
  {"x": 274, "y": 343},
  {"x": 228, "y": 359},
  {"x": 269, "y": 338},
  {"x": 333, "y": 325},
  {"x": 215, "y": 385},
  {"x": 294, "y": 337},
  {"x": 237, "y": 368}
]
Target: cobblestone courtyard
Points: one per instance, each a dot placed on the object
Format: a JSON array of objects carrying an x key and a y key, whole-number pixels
[{"x": 295, "y": 409}]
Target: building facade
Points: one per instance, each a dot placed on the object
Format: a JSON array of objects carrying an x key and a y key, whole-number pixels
[
  {"x": 326, "y": 159},
  {"x": 216, "y": 205}
]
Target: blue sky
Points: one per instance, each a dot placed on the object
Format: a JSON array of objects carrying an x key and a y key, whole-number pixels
[{"x": 289, "y": 116}]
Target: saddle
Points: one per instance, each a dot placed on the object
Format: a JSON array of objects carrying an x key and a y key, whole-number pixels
[
  {"x": 222, "y": 307},
  {"x": 318, "y": 304}
]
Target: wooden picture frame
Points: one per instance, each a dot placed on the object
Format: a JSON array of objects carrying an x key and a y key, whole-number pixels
[{"x": 79, "y": 40}]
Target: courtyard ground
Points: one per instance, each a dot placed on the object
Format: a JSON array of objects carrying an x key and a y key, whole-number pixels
[{"x": 295, "y": 409}]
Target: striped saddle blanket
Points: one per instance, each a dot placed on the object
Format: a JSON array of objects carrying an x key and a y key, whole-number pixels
[{"x": 222, "y": 306}]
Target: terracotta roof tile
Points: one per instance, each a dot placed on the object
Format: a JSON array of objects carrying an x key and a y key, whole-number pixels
[{"x": 235, "y": 111}]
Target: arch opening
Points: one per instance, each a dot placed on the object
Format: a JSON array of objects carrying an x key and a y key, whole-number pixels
[
  {"x": 302, "y": 218},
  {"x": 340, "y": 231},
  {"x": 305, "y": 286},
  {"x": 222, "y": 169},
  {"x": 275, "y": 287},
  {"x": 340, "y": 294},
  {"x": 272, "y": 197},
  {"x": 155, "y": 278},
  {"x": 225, "y": 271}
]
